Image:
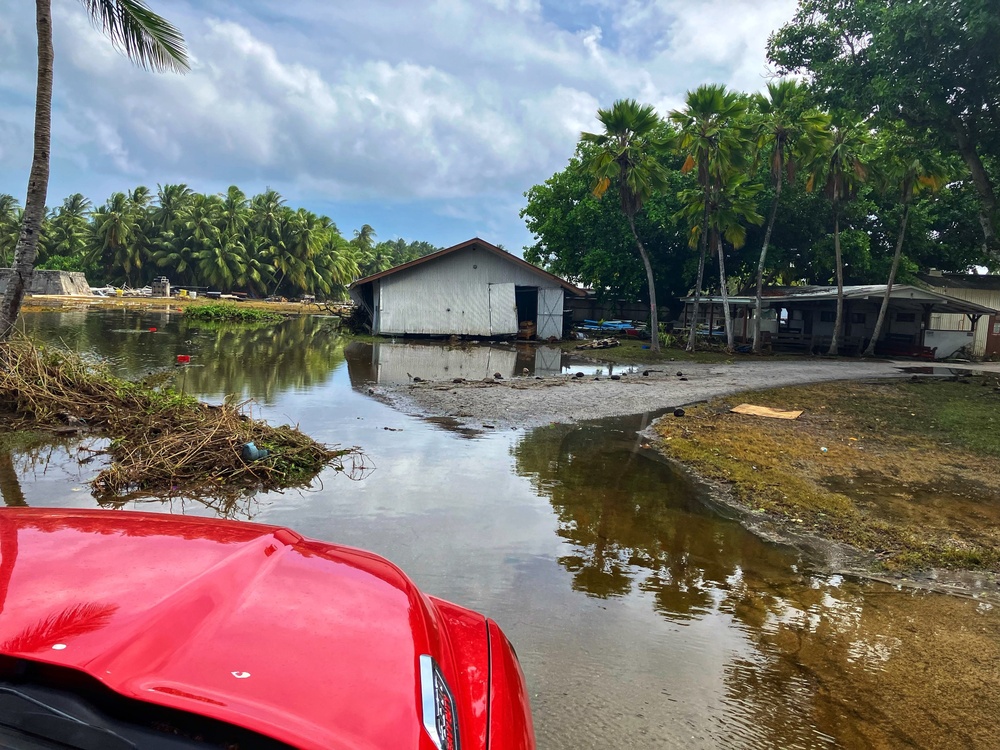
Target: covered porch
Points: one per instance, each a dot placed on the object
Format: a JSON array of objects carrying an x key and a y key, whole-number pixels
[{"x": 803, "y": 319}]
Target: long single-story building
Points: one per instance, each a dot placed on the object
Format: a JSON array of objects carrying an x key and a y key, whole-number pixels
[
  {"x": 803, "y": 318},
  {"x": 470, "y": 289}
]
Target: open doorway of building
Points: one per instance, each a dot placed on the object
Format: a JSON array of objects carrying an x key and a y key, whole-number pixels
[{"x": 526, "y": 299}]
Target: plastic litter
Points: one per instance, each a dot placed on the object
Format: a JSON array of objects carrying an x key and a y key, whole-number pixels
[{"x": 250, "y": 452}]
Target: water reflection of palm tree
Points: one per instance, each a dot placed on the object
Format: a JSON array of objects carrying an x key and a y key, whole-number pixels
[
  {"x": 10, "y": 485},
  {"x": 8, "y": 556},
  {"x": 259, "y": 361},
  {"x": 264, "y": 361},
  {"x": 627, "y": 518}
]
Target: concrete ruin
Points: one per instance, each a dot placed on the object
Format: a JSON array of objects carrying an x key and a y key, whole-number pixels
[{"x": 51, "y": 282}]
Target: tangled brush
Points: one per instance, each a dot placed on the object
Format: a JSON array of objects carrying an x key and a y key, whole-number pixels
[{"x": 161, "y": 441}]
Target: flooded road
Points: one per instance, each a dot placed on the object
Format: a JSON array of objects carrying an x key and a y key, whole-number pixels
[{"x": 641, "y": 618}]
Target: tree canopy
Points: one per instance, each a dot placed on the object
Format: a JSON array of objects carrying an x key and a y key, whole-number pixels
[
  {"x": 228, "y": 241},
  {"x": 733, "y": 158},
  {"x": 934, "y": 64}
]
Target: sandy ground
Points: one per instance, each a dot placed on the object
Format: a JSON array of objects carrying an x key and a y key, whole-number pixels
[{"x": 529, "y": 402}]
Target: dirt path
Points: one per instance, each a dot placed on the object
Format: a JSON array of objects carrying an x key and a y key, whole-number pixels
[{"x": 529, "y": 402}]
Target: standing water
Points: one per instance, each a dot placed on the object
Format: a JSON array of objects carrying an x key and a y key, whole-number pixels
[{"x": 642, "y": 619}]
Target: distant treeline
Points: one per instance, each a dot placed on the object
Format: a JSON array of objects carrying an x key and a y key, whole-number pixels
[{"x": 226, "y": 241}]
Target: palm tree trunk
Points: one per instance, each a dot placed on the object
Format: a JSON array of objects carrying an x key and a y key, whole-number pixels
[
  {"x": 725, "y": 294},
  {"x": 703, "y": 244},
  {"x": 834, "y": 346},
  {"x": 654, "y": 326},
  {"x": 870, "y": 350},
  {"x": 38, "y": 181},
  {"x": 760, "y": 266}
]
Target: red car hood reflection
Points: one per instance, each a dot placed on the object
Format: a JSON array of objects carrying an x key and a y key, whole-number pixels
[{"x": 310, "y": 643}]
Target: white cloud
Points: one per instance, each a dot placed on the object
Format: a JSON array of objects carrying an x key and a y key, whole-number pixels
[{"x": 450, "y": 100}]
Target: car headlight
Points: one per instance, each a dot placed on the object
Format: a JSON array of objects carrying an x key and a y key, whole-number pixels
[{"x": 440, "y": 717}]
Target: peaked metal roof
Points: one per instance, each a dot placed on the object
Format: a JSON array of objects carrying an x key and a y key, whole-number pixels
[
  {"x": 979, "y": 282},
  {"x": 474, "y": 242}
]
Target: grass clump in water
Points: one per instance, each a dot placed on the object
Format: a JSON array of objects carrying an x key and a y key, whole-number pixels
[
  {"x": 232, "y": 313},
  {"x": 161, "y": 441}
]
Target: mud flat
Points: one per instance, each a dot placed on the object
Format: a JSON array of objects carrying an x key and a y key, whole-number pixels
[{"x": 530, "y": 402}]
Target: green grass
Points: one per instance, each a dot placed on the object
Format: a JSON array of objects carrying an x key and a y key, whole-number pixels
[{"x": 231, "y": 312}]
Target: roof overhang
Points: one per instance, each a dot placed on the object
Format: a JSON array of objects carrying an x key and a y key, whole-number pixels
[{"x": 482, "y": 244}]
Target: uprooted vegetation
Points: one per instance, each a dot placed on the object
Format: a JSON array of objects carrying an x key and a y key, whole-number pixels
[
  {"x": 161, "y": 441},
  {"x": 907, "y": 471}
]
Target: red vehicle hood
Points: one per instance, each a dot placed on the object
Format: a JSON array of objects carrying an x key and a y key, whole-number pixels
[{"x": 310, "y": 643}]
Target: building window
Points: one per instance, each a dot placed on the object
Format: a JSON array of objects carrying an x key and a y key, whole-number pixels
[
  {"x": 906, "y": 317},
  {"x": 857, "y": 317},
  {"x": 827, "y": 316}
]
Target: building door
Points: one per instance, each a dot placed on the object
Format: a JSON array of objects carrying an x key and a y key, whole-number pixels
[
  {"x": 993, "y": 337},
  {"x": 503, "y": 310},
  {"x": 550, "y": 312}
]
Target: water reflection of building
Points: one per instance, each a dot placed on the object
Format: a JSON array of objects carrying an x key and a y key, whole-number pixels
[{"x": 396, "y": 363}]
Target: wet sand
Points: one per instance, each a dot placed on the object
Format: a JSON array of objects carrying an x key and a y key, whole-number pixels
[{"x": 531, "y": 402}]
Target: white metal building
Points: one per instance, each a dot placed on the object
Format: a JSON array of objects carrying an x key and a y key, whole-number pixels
[{"x": 471, "y": 289}]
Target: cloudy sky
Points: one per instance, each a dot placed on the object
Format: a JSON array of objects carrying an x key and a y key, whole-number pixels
[{"x": 427, "y": 119}]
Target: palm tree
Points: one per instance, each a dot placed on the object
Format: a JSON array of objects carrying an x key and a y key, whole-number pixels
[
  {"x": 115, "y": 235},
  {"x": 171, "y": 200},
  {"x": 712, "y": 137},
  {"x": 841, "y": 166},
  {"x": 908, "y": 170},
  {"x": 235, "y": 210},
  {"x": 733, "y": 205},
  {"x": 68, "y": 228},
  {"x": 627, "y": 154},
  {"x": 147, "y": 40},
  {"x": 785, "y": 133},
  {"x": 10, "y": 227}
]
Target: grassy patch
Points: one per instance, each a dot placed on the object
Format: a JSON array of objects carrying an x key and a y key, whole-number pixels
[
  {"x": 231, "y": 312},
  {"x": 910, "y": 472}
]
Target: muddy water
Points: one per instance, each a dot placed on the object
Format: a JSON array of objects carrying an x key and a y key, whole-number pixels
[{"x": 642, "y": 619}]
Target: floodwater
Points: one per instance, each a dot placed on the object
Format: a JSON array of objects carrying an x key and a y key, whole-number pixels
[{"x": 642, "y": 619}]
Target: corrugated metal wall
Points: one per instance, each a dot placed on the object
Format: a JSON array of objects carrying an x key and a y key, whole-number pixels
[
  {"x": 451, "y": 295},
  {"x": 550, "y": 312},
  {"x": 989, "y": 298}
]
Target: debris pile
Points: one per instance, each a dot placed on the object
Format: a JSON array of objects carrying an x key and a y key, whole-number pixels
[{"x": 161, "y": 441}]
